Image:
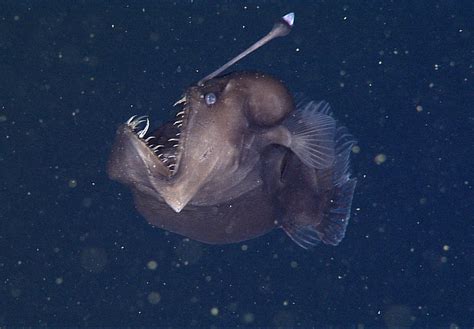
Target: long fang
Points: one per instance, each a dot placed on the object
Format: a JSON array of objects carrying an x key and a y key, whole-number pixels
[
  {"x": 142, "y": 133},
  {"x": 182, "y": 100},
  {"x": 129, "y": 121}
]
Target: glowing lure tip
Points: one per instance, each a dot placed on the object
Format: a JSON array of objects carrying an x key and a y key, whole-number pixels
[{"x": 289, "y": 19}]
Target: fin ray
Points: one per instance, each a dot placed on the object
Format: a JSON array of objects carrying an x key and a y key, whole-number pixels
[
  {"x": 306, "y": 236},
  {"x": 313, "y": 134},
  {"x": 316, "y": 135},
  {"x": 332, "y": 228}
]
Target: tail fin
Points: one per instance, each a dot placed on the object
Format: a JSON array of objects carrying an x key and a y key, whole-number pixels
[
  {"x": 332, "y": 229},
  {"x": 333, "y": 226}
]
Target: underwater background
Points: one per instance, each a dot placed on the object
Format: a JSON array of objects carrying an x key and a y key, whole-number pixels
[{"x": 75, "y": 252}]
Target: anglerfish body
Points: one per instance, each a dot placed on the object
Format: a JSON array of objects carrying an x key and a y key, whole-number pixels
[{"x": 239, "y": 161}]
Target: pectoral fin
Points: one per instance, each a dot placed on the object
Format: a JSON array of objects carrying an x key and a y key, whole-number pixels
[{"x": 312, "y": 132}]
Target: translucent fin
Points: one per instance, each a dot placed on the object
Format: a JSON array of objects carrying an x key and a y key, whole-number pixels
[
  {"x": 304, "y": 236},
  {"x": 344, "y": 143},
  {"x": 332, "y": 228},
  {"x": 313, "y": 134},
  {"x": 319, "y": 144}
]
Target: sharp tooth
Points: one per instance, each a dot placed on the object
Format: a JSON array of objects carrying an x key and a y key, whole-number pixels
[
  {"x": 142, "y": 133},
  {"x": 129, "y": 121},
  {"x": 179, "y": 113},
  {"x": 134, "y": 121},
  {"x": 177, "y": 122},
  {"x": 182, "y": 100},
  {"x": 149, "y": 138},
  {"x": 173, "y": 140},
  {"x": 140, "y": 119},
  {"x": 157, "y": 147}
]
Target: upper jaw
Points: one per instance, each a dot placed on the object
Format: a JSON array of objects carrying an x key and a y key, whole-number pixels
[
  {"x": 157, "y": 155},
  {"x": 156, "y": 174},
  {"x": 167, "y": 142}
]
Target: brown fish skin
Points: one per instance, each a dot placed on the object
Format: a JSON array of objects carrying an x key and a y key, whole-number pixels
[
  {"x": 246, "y": 217},
  {"x": 232, "y": 176}
]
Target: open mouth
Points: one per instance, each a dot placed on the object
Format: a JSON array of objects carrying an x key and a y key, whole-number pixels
[{"x": 167, "y": 141}]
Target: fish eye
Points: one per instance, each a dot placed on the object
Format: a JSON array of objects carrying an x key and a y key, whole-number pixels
[{"x": 210, "y": 98}]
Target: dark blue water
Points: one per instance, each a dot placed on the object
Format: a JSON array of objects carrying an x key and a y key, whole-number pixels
[{"x": 74, "y": 251}]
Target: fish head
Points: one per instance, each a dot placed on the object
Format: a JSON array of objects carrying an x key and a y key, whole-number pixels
[{"x": 208, "y": 147}]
